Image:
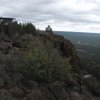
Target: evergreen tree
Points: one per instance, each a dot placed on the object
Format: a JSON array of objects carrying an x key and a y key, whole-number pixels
[{"x": 49, "y": 29}]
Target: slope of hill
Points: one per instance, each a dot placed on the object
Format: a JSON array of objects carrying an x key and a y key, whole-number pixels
[{"x": 37, "y": 65}]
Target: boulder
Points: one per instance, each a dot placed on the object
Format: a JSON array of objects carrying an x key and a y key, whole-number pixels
[
  {"x": 92, "y": 84},
  {"x": 59, "y": 91}
]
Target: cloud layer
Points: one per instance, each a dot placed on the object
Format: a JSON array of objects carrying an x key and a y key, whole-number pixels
[{"x": 64, "y": 15}]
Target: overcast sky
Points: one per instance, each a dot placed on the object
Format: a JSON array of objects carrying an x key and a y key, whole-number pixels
[{"x": 64, "y": 15}]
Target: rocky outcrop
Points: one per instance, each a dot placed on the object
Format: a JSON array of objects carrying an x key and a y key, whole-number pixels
[
  {"x": 65, "y": 47},
  {"x": 92, "y": 84}
]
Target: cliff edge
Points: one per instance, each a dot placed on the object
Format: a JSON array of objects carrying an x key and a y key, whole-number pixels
[{"x": 43, "y": 67}]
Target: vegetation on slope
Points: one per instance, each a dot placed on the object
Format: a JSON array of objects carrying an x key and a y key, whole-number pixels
[{"x": 36, "y": 65}]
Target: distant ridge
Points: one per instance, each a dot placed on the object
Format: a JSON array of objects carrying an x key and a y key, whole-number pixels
[{"x": 78, "y": 32}]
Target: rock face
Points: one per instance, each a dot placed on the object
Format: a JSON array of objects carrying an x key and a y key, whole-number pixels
[{"x": 65, "y": 47}]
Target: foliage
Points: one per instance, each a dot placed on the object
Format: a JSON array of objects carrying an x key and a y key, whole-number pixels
[
  {"x": 43, "y": 63},
  {"x": 49, "y": 29},
  {"x": 91, "y": 67},
  {"x": 26, "y": 28}
]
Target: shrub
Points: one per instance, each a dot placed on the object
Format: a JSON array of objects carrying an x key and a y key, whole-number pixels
[
  {"x": 43, "y": 63},
  {"x": 25, "y": 28}
]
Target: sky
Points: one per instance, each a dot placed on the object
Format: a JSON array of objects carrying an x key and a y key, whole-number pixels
[{"x": 61, "y": 15}]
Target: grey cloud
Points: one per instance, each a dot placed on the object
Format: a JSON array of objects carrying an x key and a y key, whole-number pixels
[{"x": 44, "y": 11}]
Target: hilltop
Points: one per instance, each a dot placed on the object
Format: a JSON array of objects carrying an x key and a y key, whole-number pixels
[{"x": 41, "y": 65}]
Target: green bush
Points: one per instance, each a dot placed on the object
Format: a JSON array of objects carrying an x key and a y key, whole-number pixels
[
  {"x": 26, "y": 28},
  {"x": 43, "y": 63}
]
